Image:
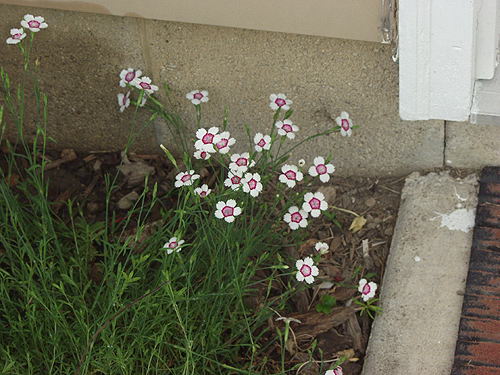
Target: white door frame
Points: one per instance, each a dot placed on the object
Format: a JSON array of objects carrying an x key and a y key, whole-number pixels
[{"x": 444, "y": 47}]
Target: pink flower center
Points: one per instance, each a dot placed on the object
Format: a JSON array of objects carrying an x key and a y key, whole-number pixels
[
  {"x": 129, "y": 77},
  {"x": 305, "y": 270},
  {"x": 207, "y": 138},
  {"x": 366, "y": 289},
  {"x": 172, "y": 245},
  {"x": 291, "y": 175},
  {"x": 261, "y": 143},
  {"x": 203, "y": 154},
  {"x": 203, "y": 194},
  {"x": 296, "y": 217},
  {"x": 186, "y": 177},
  {"x": 321, "y": 169},
  {"x": 338, "y": 371},
  {"x": 252, "y": 184},
  {"x": 145, "y": 85},
  {"x": 34, "y": 24},
  {"x": 227, "y": 211},
  {"x": 287, "y": 127},
  {"x": 235, "y": 180},
  {"x": 345, "y": 124},
  {"x": 17, "y": 36},
  {"x": 280, "y": 102},
  {"x": 315, "y": 203},
  {"x": 223, "y": 143},
  {"x": 242, "y": 162},
  {"x": 198, "y": 96}
]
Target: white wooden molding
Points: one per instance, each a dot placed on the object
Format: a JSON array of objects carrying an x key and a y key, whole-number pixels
[
  {"x": 444, "y": 46},
  {"x": 436, "y": 58}
]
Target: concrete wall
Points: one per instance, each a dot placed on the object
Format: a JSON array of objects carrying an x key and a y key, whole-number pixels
[
  {"x": 82, "y": 54},
  {"x": 354, "y": 19}
]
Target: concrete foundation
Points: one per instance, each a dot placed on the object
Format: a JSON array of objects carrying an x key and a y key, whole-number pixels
[{"x": 81, "y": 55}]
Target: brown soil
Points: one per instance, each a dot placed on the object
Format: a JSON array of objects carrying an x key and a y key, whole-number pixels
[{"x": 343, "y": 332}]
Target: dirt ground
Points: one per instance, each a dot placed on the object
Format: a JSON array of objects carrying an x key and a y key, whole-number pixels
[{"x": 341, "y": 332}]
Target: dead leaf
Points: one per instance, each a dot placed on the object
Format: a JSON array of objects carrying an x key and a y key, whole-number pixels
[
  {"x": 354, "y": 330},
  {"x": 357, "y": 224},
  {"x": 314, "y": 323},
  {"x": 347, "y": 354},
  {"x": 307, "y": 248},
  {"x": 341, "y": 293}
]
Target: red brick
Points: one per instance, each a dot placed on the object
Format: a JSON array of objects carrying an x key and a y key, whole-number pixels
[
  {"x": 488, "y": 215},
  {"x": 487, "y": 234},
  {"x": 491, "y": 188},
  {"x": 479, "y": 329},
  {"x": 485, "y": 260},
  {"x": 482, "y": 282},
  {"x": 481, "y": 306},
  {"x": 470, "y": 368},
  {"x": 480, "y": 351}
]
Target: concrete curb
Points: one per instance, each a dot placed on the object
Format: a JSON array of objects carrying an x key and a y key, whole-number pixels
[{"x": 423, "y": 286}]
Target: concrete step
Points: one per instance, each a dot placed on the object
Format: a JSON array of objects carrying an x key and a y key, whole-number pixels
[{"x": 424, "y": 283}]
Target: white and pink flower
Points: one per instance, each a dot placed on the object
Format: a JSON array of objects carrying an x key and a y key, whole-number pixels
[
  {"x": 296, "y": 218},
  {"x": 262, "y": 142},
  {"x": 336, "y": 371},
  {"x": 35, "y": 24},
  {"x": 144, "y": 83},
  {"x": 234, "y": 179},
  {"x": 290, "y": 175},
  {"x": 279, "y": 101},
  {"x": 345, "y": 124},
  {"x": 241, "y": 162},
  {"x": 173, "y": 244},
  {"x": 286, "y": 128},
  {"x": 306, "y": 270},
  {"x": 224, "y": 142},
  {"x": 197, "y": 96},
  {"x": 201, "y": 155},
  {"x": 123, "y": 100},
  {"x": 251, "y": 184},
  {"x": 227, "y": 210},
  {"x": 207, "y": 139},
  {"x": 16, "y": 35},
  {"x": 321, "y": 169},
  {"x": 203, "y": 191},
  {"x": 127, "y": 76},
  {"x": 186, "y": 178},
  {"x": 367, "y": 289},
  {"x": 321, "y": 247},
  {"x": 314, "y": 203}
]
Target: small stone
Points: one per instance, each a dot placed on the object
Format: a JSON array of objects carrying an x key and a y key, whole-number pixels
[
  {"x": 92, "y": 207},
  {"x": 128, "y": 200},
  {"x": 329, "y": 192},
  {"x": 370, "y": 202},
  {"x": 417, "y": 258},
  {"x": 68, "y": 154}
]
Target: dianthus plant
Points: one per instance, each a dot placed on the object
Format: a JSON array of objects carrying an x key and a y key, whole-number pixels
[{"x": 255, "y": 189}]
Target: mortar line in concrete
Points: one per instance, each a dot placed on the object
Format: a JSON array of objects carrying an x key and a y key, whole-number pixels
[
  {"x": 445, "y": 130},
  {"x": 146, "y": 53}
]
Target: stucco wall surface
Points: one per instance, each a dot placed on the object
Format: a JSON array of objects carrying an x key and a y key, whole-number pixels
[{"x": 82, "y": 54}]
